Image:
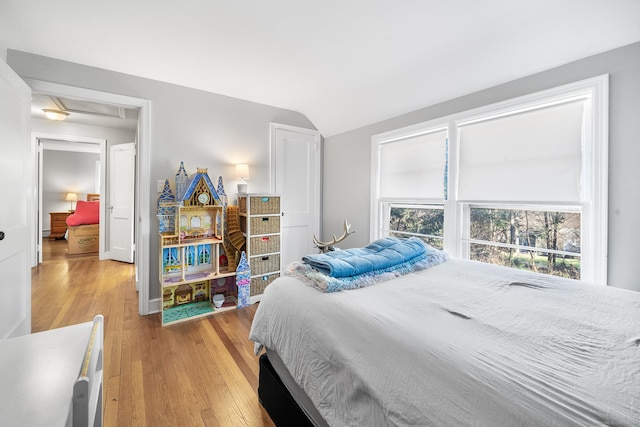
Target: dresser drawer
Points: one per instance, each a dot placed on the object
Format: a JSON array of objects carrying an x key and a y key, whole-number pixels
[
  {"x": 265, "y": 225},
  {"x": 259, "y": 284},
  {"x": 59, "y": 222},
  {"x": 264, "y": 264},
  {"x": 261, "y": 205},
  {"x": 265, "y": 244}
]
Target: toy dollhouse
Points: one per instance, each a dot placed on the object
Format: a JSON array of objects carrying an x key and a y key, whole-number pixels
[{"x": 192, "y": 245}]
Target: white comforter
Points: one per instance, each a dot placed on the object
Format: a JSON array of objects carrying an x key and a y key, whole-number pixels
[{"x": 460, "y": 344}]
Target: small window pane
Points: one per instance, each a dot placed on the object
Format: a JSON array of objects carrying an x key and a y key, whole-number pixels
[
  {"x": 425, "y": 222},
  {"x": 435, "y": 242},
  {"x": 524, "y": 229},
  {"x": 540, "y": 229}
]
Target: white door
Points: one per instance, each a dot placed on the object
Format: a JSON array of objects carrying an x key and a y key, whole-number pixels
[
  {"x": 120, "y": 211},
  {"x": 17, "y": 224},
  {"x": 295, "y": 171}
]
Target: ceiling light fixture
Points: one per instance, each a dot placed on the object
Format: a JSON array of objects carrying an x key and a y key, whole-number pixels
[{"x": 55, "y": 114}]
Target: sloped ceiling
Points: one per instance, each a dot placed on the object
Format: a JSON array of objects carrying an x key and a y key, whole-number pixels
[{"x": 344, "y": 64}]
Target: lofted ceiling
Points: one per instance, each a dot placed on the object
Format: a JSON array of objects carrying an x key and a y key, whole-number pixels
[{"x": 344, "y": 64}]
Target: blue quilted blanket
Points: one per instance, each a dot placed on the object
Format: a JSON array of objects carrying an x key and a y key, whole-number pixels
[
  {"x": 378, "y": 267},
  {"x": 378, "y": 255}
]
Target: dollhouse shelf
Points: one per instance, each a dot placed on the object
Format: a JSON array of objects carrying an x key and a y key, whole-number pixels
[
  {"x": 187, "y": 242},
  {"x": 168, "y": 281},
  {"x": 190, "y": 313}
]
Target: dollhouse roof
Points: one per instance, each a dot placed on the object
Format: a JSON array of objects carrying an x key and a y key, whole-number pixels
[
  {"x": 167, "y": 195},
  {"x": 221, "y": 187},
  {"x": 181, "y": 181},
  {"x": 201, "y": 174}
]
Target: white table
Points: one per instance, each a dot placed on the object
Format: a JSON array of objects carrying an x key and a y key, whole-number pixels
[{"x": 37, "y": 376}]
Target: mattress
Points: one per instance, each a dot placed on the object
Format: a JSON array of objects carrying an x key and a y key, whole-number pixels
[{"x": 460, "y": 344}]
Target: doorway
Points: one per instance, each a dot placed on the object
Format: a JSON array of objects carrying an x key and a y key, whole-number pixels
[
  {"x": 141, "y": 204},
  {"x": 67, "y": 164}
]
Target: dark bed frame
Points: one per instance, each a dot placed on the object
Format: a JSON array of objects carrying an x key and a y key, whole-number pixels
[{"x": 276, "y": 399}]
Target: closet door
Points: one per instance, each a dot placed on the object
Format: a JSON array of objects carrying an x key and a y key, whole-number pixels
[{"x": 295, "y": 172}]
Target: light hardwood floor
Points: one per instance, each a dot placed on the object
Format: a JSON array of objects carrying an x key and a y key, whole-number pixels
[{"x": 197, "y": 373}]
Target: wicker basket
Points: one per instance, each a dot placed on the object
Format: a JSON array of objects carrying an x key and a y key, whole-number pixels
[
  {"x": 265, "y": 244},
  {"x": 265, "y": 225},
  {"x": 259, "y": 284},
  {"x": 265, "y": 205},
  {"x": 264, "y": 264}
]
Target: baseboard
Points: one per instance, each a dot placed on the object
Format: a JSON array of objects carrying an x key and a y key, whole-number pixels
[{"x": 155, "y": 306}]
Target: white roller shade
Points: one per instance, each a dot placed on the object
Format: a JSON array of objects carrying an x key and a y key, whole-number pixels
[
  {"x": 414, "y": 167},
  {"x": 530, "y": 156}
]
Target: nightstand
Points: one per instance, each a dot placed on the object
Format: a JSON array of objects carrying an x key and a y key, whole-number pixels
[{"x": 58, "y": 224}]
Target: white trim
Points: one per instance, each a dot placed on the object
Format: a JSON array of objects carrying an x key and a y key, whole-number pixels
[
  {"x": 143, "y": 172},
  {"x": 64, "y": 145},
  {"x": 377, "y": 141},
  {"x": 155, "y": 305}
]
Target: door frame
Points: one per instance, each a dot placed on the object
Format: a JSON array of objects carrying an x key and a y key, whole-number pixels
[
  {"x": 274, "y": 127},
  {"x": 143, "y": 165},
  {"x": 102, "y": 143}
]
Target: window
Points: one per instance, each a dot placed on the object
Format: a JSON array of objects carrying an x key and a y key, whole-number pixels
[
  {"x": 422, "y": 220},
  {"x": 520, "y": 183},
  {"x": 545, "y": 241},
  {"x": 412, "y": 184}
]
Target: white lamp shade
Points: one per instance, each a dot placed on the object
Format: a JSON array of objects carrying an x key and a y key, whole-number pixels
[
  {"x": 72, "y": 197},
  {"x": 242, "y": 171}
]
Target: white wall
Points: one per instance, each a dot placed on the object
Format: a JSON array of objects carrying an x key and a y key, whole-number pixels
[
  {"x": 200, "y": 128},
  {"x": 347, "y": 156},
  {"x": 63, "y": 172}
]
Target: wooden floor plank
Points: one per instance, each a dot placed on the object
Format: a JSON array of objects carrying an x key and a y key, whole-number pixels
[{"x": 198, "y": 373}]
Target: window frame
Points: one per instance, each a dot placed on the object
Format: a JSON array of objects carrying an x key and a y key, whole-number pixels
[
  {"x": 594, "y": 175},
  {"x": 386, "y": 214}
]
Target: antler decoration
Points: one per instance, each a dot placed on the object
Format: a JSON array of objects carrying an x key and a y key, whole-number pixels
[{"x": 328, "y": 246}]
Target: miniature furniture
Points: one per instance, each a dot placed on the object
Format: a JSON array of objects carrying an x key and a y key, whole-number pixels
[
  {"x": 260, "y": 220},
  {"x": 193, "y": 267},
  {"x": 53, "y": 378},
  {"x": 58, "y": 224}
]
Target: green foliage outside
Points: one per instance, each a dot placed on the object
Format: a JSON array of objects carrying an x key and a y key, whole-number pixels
[
  {"x": 558, "y": 231},
  {"x": 524, "y": 229},
  {"x": 427, "y": 223}
]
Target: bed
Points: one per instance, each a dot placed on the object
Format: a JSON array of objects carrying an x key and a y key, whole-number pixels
[
  {"x": 83, "y": 226},
  {"x": 460, "y": 343}
]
